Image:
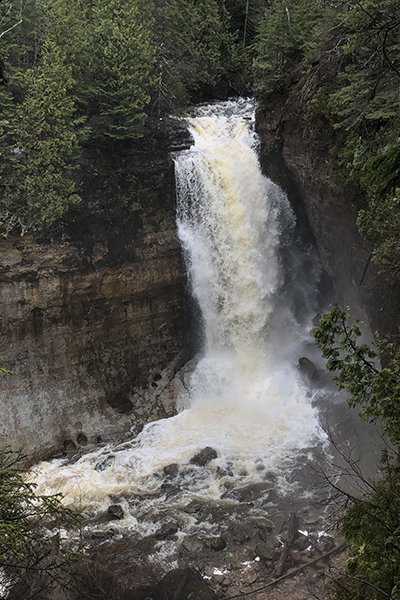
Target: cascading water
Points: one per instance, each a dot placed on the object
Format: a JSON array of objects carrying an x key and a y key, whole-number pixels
[{"x": 246, "y": 398}]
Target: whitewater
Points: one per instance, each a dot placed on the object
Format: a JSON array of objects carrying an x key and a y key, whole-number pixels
[{"x": 245, "y": 398}]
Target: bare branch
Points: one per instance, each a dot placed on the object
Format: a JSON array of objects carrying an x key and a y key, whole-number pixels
[{"x": 10, "y": 28}]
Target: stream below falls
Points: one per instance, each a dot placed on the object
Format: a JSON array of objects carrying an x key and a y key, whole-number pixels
[{"x": 245, "y": 400}]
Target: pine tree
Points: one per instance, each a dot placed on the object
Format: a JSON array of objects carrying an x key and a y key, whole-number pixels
[
  {"x": 38, "y": 173},
  {"x": 123, "y": 59}
]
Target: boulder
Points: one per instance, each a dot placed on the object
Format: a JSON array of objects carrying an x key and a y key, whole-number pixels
[
  {"x": 170, "y": 490},
  {"x": 166, "y": 530},
  {"x": 308, "y": 369},
  {"x": 218, "y": 543},
  {"x": 82, "y": 439},
  {"x": 104, "y": 464},
  {"x": 264, "y": 552},
  {"x": 69, "y": 445},
  {"x": 204, "y": 457},
  {"x": 116, "y": 512},
  {"x": 302, "y": 542},
  {"x": 328, "y": 543},
  {"x": 172, "y": 470}
]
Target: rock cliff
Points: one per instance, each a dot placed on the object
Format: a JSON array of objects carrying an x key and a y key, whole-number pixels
[
  {"x": 92, "y": 317},
  {"x": 297, "y": 152}
]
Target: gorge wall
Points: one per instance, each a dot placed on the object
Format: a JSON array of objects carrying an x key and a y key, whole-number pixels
[
  {"x": 93, "y": 320},
  {"x": 92, "y": 317},
  {"x": 297, "y": 153}
]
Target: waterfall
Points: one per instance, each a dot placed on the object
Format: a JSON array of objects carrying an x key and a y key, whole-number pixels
[
  {"x": 229, "y": 226},
  {"x": 245, "y": 398}
]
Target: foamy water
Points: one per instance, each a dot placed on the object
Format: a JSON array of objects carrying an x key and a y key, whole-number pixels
[{"x": 246, "y": 398}]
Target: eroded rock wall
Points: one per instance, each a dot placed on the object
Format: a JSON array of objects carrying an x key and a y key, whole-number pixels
[
  {"x": 92, "y": 320},
  {"x": 297, "y": 153}
]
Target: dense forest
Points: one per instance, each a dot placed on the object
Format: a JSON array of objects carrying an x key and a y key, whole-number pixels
[
  {"x": 101, "y": 75},
  {"x": 346, "y": 54},
  {"x": 82, "y": 74}
]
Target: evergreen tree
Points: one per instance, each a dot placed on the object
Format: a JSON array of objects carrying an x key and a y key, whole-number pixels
[
  {"x": 33, "y": 560},
  {"x": 370, "y": 522},
  {"x": 121, "y": 68},
  {"x": 38, "y": 184}
]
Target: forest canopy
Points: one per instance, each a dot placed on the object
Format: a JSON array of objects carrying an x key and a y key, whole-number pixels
[
  {"x": 346, "y": 54},
  {"x": 97, "y": 74},
  {"x": 100, "y": 75}
]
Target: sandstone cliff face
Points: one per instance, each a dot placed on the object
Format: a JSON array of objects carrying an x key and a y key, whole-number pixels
[
  {"x": 297, "y": 154},
  {"x": 92, "y": 320}
]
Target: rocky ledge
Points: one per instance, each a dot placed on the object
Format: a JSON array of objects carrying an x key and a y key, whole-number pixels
[{"x": 92, "y": 317}]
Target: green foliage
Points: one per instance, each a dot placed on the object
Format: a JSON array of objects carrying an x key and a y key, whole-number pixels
[
  {"x": 32, "y": 557},
  {"x": 371, "y": 527},
  {"x": 289, "y": 32},
  {"x": 38, "y": 173},
  {"x": 348, "y": 56},
  {"x": 276, "y": 47},
  {"x": 123, "y": 59},
  {"x": 381, "y": 225},
  {"x": 196, "y": 49},
  {"x": 371, "y": 522},
  {"x": 96, "y": 73},
  {"x": 376, "y": 390}
]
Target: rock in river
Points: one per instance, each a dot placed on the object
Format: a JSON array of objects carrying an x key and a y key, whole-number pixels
[{"x": 204, "y": 457}]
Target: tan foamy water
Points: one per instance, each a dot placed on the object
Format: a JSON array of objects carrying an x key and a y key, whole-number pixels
[{"x": 245, "y": 399}]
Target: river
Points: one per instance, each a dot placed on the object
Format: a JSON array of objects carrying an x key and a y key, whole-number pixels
[{"x": 245, "y": 399}]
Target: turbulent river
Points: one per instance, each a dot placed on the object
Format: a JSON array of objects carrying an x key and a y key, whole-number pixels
[{"x": 246, "y": 398}]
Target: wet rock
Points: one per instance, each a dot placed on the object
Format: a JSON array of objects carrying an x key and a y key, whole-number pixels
[
  {"x": 136, "y": 429},
  {"x": 316, "y": 319},
  {"x": 116, "y": 511},
  {"x": 204, "y": 457},
  {"x": 82, "y": 439},
  {"x": 218, "y": 543},
  {"x": 264, "y": 552},
  {"x": 104, "y": 464},
  {"x": 225, "y": 472},
  {"x": 166, "y": 530},
  {"x": 328, "y": 543},
  {"x": 172, "y": 470},
  {"x": 178, "y": 135},
  {"x": 192, "y": 545},
  {"x": 69, "y": 445},
  {"x": 308, "y": 369},
  {"x": 170, "y": 490},
  {"x": 120, "y": 403},
  {"x": 254, "y": 491},
  {"x": 301, "y": 543},
  {"x": 114, "y": 499},
  {"x": 73, "y": 459},
  {"x": 264, "y": 524},
  {"x": 194, "y": 507},
  {"x": 102, "y": 535}
]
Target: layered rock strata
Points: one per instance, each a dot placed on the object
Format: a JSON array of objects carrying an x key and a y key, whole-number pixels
[{"x": 91, "y": 321}]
